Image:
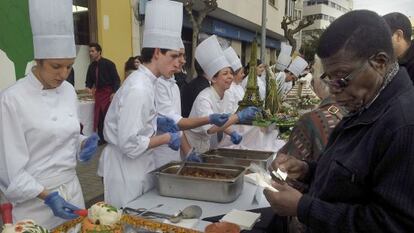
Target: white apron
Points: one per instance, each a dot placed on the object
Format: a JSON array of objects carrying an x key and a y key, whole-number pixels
[{"x": 129, "y": 123}]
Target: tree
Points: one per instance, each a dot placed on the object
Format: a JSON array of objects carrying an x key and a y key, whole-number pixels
[
  {"x": 196, "y": 18},
  {"x": 311, "y": 44},
  {"x": 289, "y": 32}
]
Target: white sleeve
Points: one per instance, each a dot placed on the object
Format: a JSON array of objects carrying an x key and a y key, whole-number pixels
[
  {"x": 134, "y": 116},
  {"x": 202, "y": 107},
  {"x": 164, "y": 101},
  {"x": 15, "y": 182},
  {"x": 81, "y": 136}
]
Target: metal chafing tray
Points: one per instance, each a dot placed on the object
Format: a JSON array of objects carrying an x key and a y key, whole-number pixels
[
  {"x": 223, "y": 190},
  {"x": 239, "y": 157}
]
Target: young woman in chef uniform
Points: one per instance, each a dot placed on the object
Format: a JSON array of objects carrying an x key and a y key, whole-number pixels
[
  {"x": 211, "y": 57},
  {"x": 40, "y": 137},
  {"x": 236, "y": 91}
]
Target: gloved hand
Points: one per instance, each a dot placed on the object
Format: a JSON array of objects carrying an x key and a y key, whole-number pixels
[
  {"x": 248, "y": 114},
  {"x": 193, "y": 157},
  {"x": 175, "y": 141},
  {"x": 235, "y": 137},
  {"x": 218, "y": 119},
  {"x": 89, "y": 148},
  {"x": 60, "y": 207},
  {"x": 166, "y": 125}
]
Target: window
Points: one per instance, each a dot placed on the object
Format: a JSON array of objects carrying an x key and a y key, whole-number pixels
[{"x": 272, "y": 2}]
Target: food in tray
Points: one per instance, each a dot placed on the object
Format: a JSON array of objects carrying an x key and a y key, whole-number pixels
[
  {"x": 102, "y": 218},
  {"x": 222, "y": 227},
  {"x": 27, "y": 226},
  {"x": 204, "y": 173}
]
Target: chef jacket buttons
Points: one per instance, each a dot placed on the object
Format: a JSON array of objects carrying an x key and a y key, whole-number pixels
[
  {"x": 54, "y": 118},
  {"x": 44, "y": 93}
]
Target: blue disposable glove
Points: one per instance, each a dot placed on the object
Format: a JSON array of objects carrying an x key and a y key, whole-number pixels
[
  {"x": 193, "y": 157},
  {"x": 218, "y": 119},
  {"x": 166, "y": 125},
  {"x": 60, "y": 207},
  {"x": 89, "y": 148},
  {"x": 248, "y": 114},
  {"x": 235, "y": 137},
  {"x": 175, "y": 141}
]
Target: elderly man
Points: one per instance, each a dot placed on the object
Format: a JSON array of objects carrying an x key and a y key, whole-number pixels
[{"x": 363, "y": 180}]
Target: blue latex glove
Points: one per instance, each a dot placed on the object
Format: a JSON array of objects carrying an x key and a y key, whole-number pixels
[
  {"x": 235, "y": 137},
  {"x": 89, "y": 148},
  {"x": 248, "y": 114},
  {"x": 166, "y": 125},
  {"x": 60, "y": 207},
  {"x": 193, "y": 157},
  {"x": 175, "y": 141},
  {"x": 218, "y": 119}
]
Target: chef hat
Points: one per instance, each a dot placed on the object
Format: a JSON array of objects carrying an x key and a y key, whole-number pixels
[
  {"x": 163, "y": 23},
  {"x": 210, "y": 56},
  {"x": 284, "y": 58},
  {"x": 297, "y": 66},
  {"x": 52, "y": 28},
  {"x": 232, "y": 58}
]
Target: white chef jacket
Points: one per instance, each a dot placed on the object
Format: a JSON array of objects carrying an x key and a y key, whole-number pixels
[
  {"x": 129, "y": 123},
  {"x": 234, "y": 94},
  {"x": 261, "y": 83},
  {"x": 168, "y": 103},
  {"x": 282, "y": 84},
  {"x": 206, "y": 103},
  {"x": 39, "y": 142}
]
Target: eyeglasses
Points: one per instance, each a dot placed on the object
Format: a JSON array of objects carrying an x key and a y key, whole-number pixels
[{"x": 342, "y": 82}]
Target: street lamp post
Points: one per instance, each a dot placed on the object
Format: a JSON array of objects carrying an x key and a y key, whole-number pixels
[{"x": 263, "y": 39}]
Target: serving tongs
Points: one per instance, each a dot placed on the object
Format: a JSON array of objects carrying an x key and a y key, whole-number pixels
[{"x": 142, "y": 212}]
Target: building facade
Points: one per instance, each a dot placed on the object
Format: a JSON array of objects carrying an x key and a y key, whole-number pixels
[{"x": 324, "y": 12}]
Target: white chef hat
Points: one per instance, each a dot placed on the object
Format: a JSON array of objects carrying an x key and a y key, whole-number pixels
[
  {"x": 163, "y": 23},
  {"x": 284, "y": 58},
  {"x": 232, "y": 58},
  {"x": 210, "y": 56},
  {"x": 52, "y": 28},
  {"x": 297, "y": 66}
]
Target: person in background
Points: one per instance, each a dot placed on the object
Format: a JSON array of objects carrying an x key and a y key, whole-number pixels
[
  {"x": 363, "y": 179},
  {"x": 285, "y": 79},
  {"x": 401, "y": 29},
  {"x": 40, "y": 138},
  {"x": 131, "y": 65},
  {"x": 102, "y": 80},
  {"x": 190, "y": 91},
  {"x": 210, "y": 56},
  {"x": 236, "y": 91},
  {"x": 261, "y": 79},
  {"x": 131, "y": 122},
  {"x": 168, "y": 104}
]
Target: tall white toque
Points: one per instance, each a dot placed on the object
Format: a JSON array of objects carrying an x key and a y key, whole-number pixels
[
  {"x": 163, "y": 24},
  {"x": 232, "y": 58},
  {"x": 52, "y": 28},
  {"x": 284, "y": 58},
  {"x": 210, "y": 56},
  {"x": 297, "y": 66}
]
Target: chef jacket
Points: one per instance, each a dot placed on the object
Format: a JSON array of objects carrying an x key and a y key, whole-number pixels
[
  {"x": 39, "y": 142},
  {"x": 206, "y": 103},
  {"x": 233, "y": 95},
  {"x": 168, "y": 103},
  {"x": 129, "y": 123}
]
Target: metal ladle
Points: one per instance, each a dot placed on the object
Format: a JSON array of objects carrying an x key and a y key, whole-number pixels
[{"x": 189, "y": 212}]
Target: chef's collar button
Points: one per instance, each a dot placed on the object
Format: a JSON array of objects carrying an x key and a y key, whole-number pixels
[{"x": 54, "y": 118}]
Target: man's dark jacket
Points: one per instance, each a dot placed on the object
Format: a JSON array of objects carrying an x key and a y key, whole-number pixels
[
  {"x": 408, "y": 61},
  {"x": 190, "y": 92},
  {"x": 364, "y": 180}
]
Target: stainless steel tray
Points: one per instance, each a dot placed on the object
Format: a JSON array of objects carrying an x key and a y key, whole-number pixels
[
  {"x": 238, "y": 157},
  {"x": 223, "y": 190}
]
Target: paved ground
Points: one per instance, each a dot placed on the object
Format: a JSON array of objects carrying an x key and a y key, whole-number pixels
[{"x": 92, "y": 186}]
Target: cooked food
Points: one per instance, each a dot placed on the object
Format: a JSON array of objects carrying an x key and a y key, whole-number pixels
[{"x": 205, "y": 173}]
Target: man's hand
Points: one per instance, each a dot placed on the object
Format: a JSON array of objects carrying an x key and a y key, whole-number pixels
[
  {"x": 294, "y": 167},
  {"x": 285, "y": 202}
]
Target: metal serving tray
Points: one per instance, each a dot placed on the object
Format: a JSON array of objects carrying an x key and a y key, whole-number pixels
[
  {"x": 222, "y": 190},
  {"x": 239, "y": 157}
]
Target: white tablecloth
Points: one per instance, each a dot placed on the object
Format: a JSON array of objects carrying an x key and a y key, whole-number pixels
[
  {"x": 255, "y": 138},
  {"x": 210, "y": 209},
  {"x": 86, "y": 116}
]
